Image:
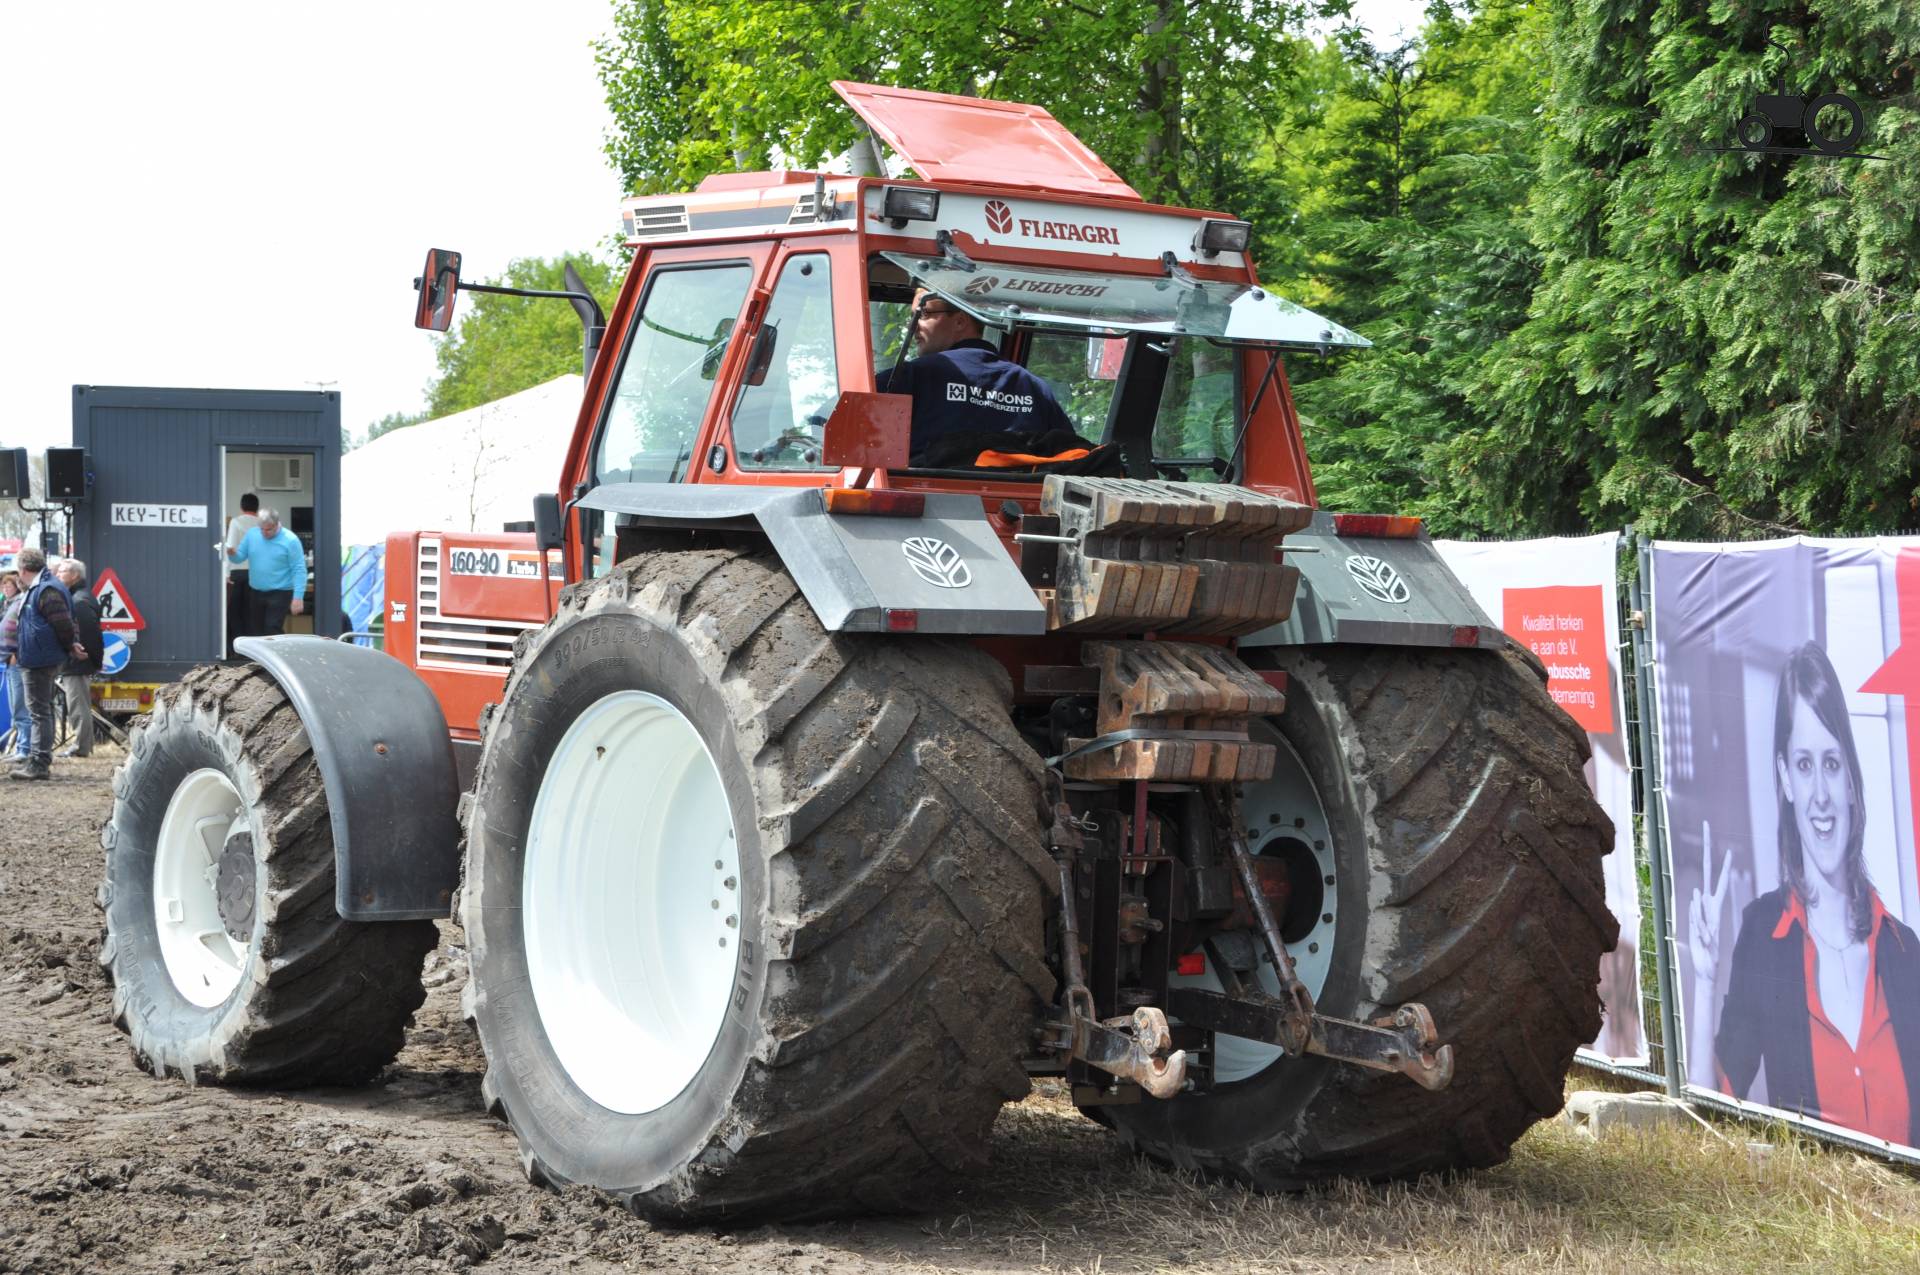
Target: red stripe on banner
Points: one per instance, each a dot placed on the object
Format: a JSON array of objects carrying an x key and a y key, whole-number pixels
[{"x": 1900, "y": 675}]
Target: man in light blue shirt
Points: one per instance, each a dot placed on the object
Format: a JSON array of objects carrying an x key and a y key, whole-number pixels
[{"x": 277, "y": 574}]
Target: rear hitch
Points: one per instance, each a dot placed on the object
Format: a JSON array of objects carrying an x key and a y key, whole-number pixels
[
  {"x": 1405, "y": 1041},
  {"x": 1138, "y": 1049}
]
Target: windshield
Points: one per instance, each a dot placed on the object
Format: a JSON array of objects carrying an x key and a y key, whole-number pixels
[{"x": 1001, "y": 296}]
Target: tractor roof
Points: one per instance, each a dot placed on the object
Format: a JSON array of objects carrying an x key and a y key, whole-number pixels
[
  {"x": 950, "y": 142},
  {"x": 978, "y": 141}
]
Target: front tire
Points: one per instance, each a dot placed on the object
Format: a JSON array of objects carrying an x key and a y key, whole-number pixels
[
  {"x": 784, "y": 959},
  {"x": 228, "y": 960},
  {"x": 1468, "y": 872}
]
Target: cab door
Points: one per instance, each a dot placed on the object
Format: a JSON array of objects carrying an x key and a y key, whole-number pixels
[{"x": 680, "y": 358}]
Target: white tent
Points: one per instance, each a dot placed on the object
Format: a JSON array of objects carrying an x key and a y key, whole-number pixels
[{"x": 473, "y": 471}]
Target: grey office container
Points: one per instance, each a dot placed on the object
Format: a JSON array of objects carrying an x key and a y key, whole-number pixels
[{"x": 164, "y": 456}]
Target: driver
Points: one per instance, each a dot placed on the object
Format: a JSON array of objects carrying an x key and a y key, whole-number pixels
[{"x": 961, "y": 385}]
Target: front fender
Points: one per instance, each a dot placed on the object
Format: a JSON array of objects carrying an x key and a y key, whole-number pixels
[{"x": 386, "y": 758}]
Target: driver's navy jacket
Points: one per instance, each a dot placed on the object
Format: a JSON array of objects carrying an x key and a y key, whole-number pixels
[{"x": 970, "y": 388}]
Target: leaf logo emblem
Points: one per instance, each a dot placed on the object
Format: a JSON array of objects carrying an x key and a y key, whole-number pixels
[
  {"x": 1378, "y": 579},
  {"x": 999, "y": 216},
  {"x": 981, "y": 286},
  {"x": 937, "y": 562}
]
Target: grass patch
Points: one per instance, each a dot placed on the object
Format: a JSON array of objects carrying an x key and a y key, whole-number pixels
[{"x": 1678, "y": 1199}]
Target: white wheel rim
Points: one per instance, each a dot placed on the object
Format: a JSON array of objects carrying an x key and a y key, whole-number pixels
[
  {"x": 631, "y": 902},
  {"x": 1285, "y": 807},
  {"x": 201, "y": 959}
]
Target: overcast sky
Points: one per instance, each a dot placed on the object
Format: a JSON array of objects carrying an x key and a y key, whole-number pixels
[{"x": 240, "y": 194}]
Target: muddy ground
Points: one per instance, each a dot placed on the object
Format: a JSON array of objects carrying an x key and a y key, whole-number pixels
[{"x": 103, "y": 1168}]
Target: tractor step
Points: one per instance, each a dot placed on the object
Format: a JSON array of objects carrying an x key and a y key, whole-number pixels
[
  {"x": 1176, "y": 712},
  {"x": 1188, "y": 558}
]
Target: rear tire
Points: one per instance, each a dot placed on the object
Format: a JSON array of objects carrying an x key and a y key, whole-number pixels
[
  {"x": 228, "y": 960},
  {"x": 882, "y": 859},
  {"x": 1469, "y": 878}
]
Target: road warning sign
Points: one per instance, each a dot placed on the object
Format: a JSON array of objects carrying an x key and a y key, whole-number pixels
[{"x": 117, "y": 610}]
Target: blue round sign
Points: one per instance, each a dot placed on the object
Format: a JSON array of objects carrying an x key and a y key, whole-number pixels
[{"x": 116, "y": 653}]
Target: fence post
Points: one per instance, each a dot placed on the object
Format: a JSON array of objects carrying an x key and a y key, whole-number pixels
[{"x": 1653, "y": 820}]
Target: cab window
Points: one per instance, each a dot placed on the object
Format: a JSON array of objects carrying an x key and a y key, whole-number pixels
[
  {"x": 777, "y": 423},
  {"x": 1083, "y": 371},
  {"x": 668, "y": 373},
  {"x": 1197, "y": 421}
]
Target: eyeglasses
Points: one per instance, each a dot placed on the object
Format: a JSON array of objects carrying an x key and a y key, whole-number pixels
[{"x": 927, "y": 312}]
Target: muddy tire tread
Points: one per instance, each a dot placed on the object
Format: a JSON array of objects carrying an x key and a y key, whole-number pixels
[
  {"x": 876, "y": 1087},
  {"x": 329, "y": 1000},
  {"x": 1487, "y": 847}
]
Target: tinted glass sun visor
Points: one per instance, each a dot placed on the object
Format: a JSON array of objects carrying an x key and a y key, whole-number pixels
[{"x": 1001, "y": 295}]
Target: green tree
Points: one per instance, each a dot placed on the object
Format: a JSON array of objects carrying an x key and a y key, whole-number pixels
[
  {"x": 1171, "y": 93},
  {"x": 502, "y": 345},
  {"x": 1410, "y": 168},
  {"x": 1723, "y": 343}
]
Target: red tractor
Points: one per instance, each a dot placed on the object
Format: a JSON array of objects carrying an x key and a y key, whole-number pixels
[{"x": 834, "y": 796}]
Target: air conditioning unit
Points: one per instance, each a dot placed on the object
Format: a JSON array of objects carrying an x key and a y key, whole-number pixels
[{"x": 279, "y": 473}]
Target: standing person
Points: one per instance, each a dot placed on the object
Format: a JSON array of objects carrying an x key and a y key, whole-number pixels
[
  {"x": 278, "y": 580},
  {"x": 239, "y": 588},
  {"x": 76, "y": 674},
  {"x": 47, "y": 639},
  {"x": 1825, "y": 983},
  {"x": 9, "y": 648}
]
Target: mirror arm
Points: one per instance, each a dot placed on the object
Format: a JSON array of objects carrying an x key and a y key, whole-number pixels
[{"x": 599, "y": 319}]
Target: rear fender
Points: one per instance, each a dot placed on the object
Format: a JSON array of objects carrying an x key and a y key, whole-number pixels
[
  {"x": 854, "y": 570},
  {"x": 384, "y": 754},
  {"x": 1375, "y": 591}
]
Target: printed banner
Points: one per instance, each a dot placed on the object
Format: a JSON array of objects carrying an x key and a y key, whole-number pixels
[
  {"x": 1558, "y": 598},
  {"x": 1783, "y": 672}
]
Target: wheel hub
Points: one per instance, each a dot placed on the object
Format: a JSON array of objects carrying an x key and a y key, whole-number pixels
[
  {"x": 234, "y": 887},
  {"x": 203, "y": 904},
  {"x": 632, "y": 902}
]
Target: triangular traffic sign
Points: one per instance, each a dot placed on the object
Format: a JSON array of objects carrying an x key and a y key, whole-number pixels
[{"x": 117, "y": 610}]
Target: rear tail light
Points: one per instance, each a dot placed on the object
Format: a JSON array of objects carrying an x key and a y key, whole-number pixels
[
  {"x": 1466, "y": 635},
  {"x": 1387, "y": 526},
  {"x": 1191, "y": 964},
  {"x": 882, "y": 504},
  {"x": 146, "y": 697},
  {"x": 902, "y": 620}
]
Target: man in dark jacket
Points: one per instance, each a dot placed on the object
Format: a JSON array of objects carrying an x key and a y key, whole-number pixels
[
  {"x": 75, "y": 674},
  {"x": 960, "y": 384},
  {"x": 47, "y": 640}
]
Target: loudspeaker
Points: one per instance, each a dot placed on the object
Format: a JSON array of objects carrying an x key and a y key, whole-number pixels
[
  {"x": 16, "y": 480},
  {"x": 66, "y": 474}
]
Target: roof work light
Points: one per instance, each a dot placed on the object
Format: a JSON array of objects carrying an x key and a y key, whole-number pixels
[
  {"x": 1218, "y": 235},
  {"x": 902, "y": 204}
]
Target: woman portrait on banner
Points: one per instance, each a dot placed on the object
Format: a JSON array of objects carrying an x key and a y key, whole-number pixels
[{"x": 1824, "y": 986}]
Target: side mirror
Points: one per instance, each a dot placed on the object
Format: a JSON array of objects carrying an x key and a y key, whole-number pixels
[
  {"x": 760, "y": 361},
  {"x": 716, "y": 350},
  {"x": 437, "y": 285},
  {"x": 547, "y": 530}
]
